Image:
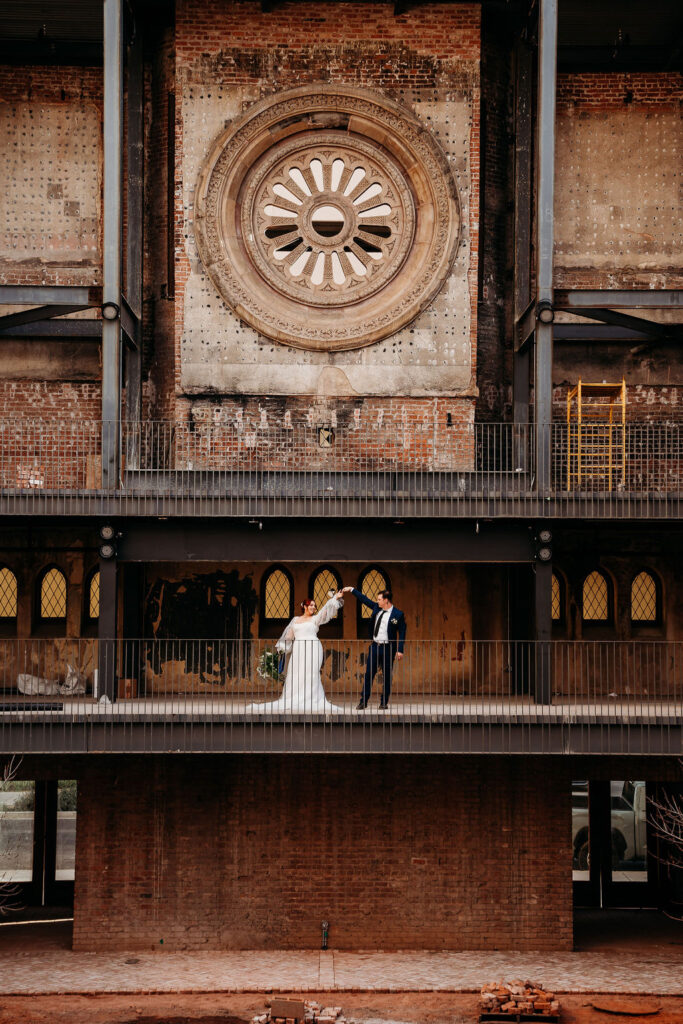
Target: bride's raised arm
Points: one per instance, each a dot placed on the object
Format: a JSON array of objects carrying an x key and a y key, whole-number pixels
[
  {"x": 328, "y": 611},
  {"x": 284, "y": 644}
]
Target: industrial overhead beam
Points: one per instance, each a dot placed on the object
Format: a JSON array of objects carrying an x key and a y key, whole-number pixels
[
  {"x": 635, "y": 298},
  {"x": 48, "y": 295},
  {"x": 111, "y": 292},
  {"x": 56, "y": 330},
  {"x": 279, "y": 540},
  {"x": 597, "y": 332},
  {"x": 37, "y": 313},
  {"x": 651, "y": 328}
]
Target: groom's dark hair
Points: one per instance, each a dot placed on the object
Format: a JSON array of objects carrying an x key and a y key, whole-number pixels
[{"x": 386, "y": 594}]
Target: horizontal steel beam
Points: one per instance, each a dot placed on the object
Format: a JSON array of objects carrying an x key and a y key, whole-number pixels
[
  {"x": 597, "y": 332},
  {"x": 494, "y": 736},
  {"x": 651, "y": 328},
  {"x": 282, "y": 540},
  {"x": 36, "y": 314},
  {"x": 57, "y": 330},
  {"x": 638, "y": 298},
  {"x": 44, "y": 295}
]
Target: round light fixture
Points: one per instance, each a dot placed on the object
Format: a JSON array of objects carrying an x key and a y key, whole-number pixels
[
  {"x": 110, "y": 311},
  {"x": 107, "y": 532},
  {"x": 545, "y": 536},
  {"x": 544, "y": 554},
  {"x": 545, "y": 312},
  {"x": 107, "y": 551}
]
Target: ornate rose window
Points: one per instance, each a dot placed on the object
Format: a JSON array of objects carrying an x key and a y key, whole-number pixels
[{"x": 326, "y": 217}]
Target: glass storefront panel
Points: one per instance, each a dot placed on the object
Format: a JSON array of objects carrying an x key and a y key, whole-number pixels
[
  {"x": 17, "y": 801},
  {"x": 580, "y": 833},
  {"x": 66, "y": 830},
  {"x": 628, "y": 827}
]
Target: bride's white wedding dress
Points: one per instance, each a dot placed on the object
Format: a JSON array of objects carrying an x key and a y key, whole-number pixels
[{"x": 303, "y": 689}]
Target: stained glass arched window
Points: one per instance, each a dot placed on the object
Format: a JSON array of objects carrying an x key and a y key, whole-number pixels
[
  {"x": 372, "y": 580},
  {"x": 9, "y": 593},
  {"x": 53, "y": 595},
  {"x": 644, "y": 598},
  {"x": 595, "y": 598},
  {"x": 278, "y": 595}
]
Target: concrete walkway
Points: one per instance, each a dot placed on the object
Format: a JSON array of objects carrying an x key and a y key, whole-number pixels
[{"x": 52, "y": 971}]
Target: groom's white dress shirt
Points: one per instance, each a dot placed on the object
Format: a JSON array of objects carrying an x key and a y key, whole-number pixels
[{"x": 382, "y": 635}]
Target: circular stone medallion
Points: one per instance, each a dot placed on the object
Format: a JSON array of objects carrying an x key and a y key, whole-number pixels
[{"x": 327, "y": 217}]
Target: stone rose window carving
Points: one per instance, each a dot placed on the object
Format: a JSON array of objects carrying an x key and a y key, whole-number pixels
[{"x": 327, "y": 217}]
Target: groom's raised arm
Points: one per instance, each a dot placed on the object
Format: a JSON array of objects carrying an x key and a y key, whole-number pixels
[{"x": 363, "y": 599}]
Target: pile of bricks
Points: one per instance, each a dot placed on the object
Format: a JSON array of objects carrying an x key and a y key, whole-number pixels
[
  {"x": 518, "y": 997},
  {"x": 291, "y": 1011}
]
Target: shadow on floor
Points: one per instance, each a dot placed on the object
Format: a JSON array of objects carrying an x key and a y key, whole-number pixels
[
  {"x": 603, "y": 931},
  {"x": 37, "y": 930}
]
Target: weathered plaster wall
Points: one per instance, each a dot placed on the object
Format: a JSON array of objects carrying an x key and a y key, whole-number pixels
[
  {"x": 618, "y": 179},
  {"x": 230, "y": 55},
  {"x": 51, "y": 164}
]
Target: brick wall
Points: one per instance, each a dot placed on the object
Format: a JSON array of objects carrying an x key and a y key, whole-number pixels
[{"x": 253, "y": 853}]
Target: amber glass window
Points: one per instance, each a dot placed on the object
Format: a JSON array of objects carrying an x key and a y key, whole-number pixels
[
  {"x": 556, "y": 600},
  {"x": 324, "y": 580},
  {"x": 595, "y": 598},
  {"x": 53, "y": 595},
  {"x": 644, "y": 599},
  {"x": 9, "y": 602},
  {"x": 94, "y": 596}
]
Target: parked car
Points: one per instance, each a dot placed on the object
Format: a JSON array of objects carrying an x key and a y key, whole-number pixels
[{"x": 628, "y": 824}]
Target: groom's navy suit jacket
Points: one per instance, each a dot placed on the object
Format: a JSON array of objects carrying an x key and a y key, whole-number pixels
[{"x": 396, "y": 628}]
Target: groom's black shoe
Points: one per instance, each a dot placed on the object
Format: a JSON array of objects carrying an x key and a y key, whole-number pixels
[
  {"x": 361, "y": 705},
  {"x": 383, "y": 705}
]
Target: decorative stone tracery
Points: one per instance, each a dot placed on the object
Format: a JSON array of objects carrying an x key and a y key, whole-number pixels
[{"x": 327, "y": 217}]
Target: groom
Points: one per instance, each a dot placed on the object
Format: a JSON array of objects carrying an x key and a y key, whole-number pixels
[{"x": 388, "y": 631}]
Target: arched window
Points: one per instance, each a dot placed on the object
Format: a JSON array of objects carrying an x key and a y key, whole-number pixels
[
  {"x": 93, "y": 595},
  {"x": 595, "y": 598},
  {"x": 9, "y": 602},
  {"x": 556, "y": 602},
  {"x": 322, "y": 581},
  {"x": 645, "y": 599},
  {"x": 371, "y": 581},
  {"x": 51, "y": 600},
  {"x": 277, "y": 601}
]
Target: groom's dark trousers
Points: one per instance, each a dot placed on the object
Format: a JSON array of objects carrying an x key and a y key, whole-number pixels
[{"x": 380, "y": 656}]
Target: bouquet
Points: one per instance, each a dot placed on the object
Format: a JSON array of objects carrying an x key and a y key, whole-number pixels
[{"x": 269, "y": 665}]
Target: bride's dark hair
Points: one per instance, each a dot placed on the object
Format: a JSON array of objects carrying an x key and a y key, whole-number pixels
[{"x": 305, "y": 603}]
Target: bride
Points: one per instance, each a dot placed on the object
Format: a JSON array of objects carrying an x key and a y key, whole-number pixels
[{"x": 303, "y": 690}]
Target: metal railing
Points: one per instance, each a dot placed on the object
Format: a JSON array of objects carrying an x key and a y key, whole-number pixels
[
  {"x": 234, "y": 695},
  {"x": 208, "y": 468}
]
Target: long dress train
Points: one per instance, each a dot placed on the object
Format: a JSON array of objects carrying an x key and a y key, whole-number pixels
[{"x": 303, "y": 688}]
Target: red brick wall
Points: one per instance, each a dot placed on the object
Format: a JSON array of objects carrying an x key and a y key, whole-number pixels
[{"x": 254, "y": 852}]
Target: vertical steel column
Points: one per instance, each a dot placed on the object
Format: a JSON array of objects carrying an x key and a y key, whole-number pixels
[
  {"x": 106, "y": 628},
  {"x": 111, "y": 285},
  {"x": 134, "y": 238},
  {"x": 543, "y": 592},
  {"x": 522, "y": 244},
  {"x": 545, "y": 149}
]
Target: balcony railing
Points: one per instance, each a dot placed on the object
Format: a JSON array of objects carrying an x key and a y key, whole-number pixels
[
  {"x": 217, "y": 695},
  {"x": 212, "y": 468}
]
